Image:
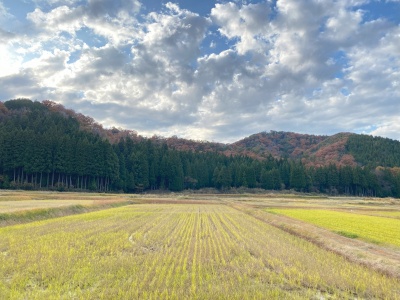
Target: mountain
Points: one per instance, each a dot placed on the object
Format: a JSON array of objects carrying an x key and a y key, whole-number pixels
[
  {"x": 341, "y": 149},
  {"x": 43, "y": 145},
  {"x": 312, "y": 150}
]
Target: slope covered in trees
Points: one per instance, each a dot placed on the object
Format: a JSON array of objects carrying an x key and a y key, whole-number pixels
[
  {"x": 45, "y": 146},
  {"x": 278, "y": 144},
  {"x": 374, "y": 151}
]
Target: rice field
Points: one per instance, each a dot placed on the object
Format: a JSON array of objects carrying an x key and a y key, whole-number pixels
[
  {"x": 375, "y": 229},
  {"x": 17, "y": 201},
  {"x": 380, "y": 213},
  {"x": 175, "y": 251}
]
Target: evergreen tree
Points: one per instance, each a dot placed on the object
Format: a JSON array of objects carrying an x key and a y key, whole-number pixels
[
  {"x": 298, "y": 176},
  {"x": 267, "y": 180}
]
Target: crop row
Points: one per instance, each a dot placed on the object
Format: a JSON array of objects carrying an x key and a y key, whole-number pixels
[{"x": 174, "y": 252}]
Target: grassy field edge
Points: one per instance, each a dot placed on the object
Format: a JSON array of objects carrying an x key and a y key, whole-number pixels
[
  {"x": 27, "y": 216},
  {"x": 356, "y": 251}
]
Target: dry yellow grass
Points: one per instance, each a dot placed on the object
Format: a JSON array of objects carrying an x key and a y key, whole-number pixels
[
  {"x": 174, "y": 251},
  {"x": 18, "y": 207},
  {"x": 15, "y": 201}
]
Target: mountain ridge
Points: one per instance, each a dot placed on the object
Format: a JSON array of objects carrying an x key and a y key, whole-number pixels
[
  {"x": 46, "y": 146},
  {"x": 312, "y": 150}
]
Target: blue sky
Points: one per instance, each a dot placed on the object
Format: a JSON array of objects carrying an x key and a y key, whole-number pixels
[{"x": 209, "y": 70}]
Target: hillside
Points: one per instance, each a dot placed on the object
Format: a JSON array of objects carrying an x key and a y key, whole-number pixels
[
  {"x": 43, "y": 145},
  {"x": 278, "y": 144},
  {"x": 312, "y": 150},
  {"x": 341, "y": 149}
]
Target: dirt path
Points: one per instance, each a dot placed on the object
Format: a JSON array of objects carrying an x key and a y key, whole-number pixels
[{"x": 383, "y": 259}]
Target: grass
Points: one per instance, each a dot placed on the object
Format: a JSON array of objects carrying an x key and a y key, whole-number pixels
[
  {"x": 373, "y": 229},
  {"x": 380, "y": 213},
  {"x": 174, "y": 251},
  {"x": 14, "y": 201},
  {"x": 26, "y": 216},
  {"x": 348, "y": 234},
  {"x": 18, "y": 207}
]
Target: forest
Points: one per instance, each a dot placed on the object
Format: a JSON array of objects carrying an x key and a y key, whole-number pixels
[{"x": 43, "y": 147}]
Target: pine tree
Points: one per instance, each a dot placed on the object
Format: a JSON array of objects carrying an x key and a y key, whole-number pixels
[{"x": 297, "y": 176}]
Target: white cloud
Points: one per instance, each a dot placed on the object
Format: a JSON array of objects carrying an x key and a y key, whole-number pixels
[
  {"x": 11, "y": 62},
  {"x": 250, "y": 24},
  {"x": 60, "y": 19},
  {"x": 390, "y": 128},
  {"x": 112, "y": 8}
]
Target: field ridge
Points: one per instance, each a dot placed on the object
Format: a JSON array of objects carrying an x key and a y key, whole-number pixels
[
  {"x": 357, "y": 251},
  {"x": 39, "y": 214}
]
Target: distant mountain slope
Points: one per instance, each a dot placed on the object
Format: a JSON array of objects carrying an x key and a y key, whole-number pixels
[
  {"x": 278, "y": 144},
  {"x": 331, "y": 150},
  {"x": 341, "y": 149},
  {"x": 312, "y": 150},
  {"x": 43, "y": 145},
  {"x": 374, "y": 151}
]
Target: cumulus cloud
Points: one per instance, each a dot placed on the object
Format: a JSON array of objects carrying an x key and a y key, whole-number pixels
[
  {"x": 21, "y": 85},
  {"x": 249, "y": 24},
  {"x": 390, "y": 128},
  {"x": 308, "y": 66}
]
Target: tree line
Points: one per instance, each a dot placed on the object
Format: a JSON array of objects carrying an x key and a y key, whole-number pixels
[{"x": 43, "y": 149}]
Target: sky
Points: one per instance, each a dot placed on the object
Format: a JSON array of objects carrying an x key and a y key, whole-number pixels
[{"x": 209, "y": 70}]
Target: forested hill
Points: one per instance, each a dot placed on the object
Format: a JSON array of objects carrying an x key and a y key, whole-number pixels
[
  {"x": 46, "y": 146},
  {"x": 342, "y": 149}
]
